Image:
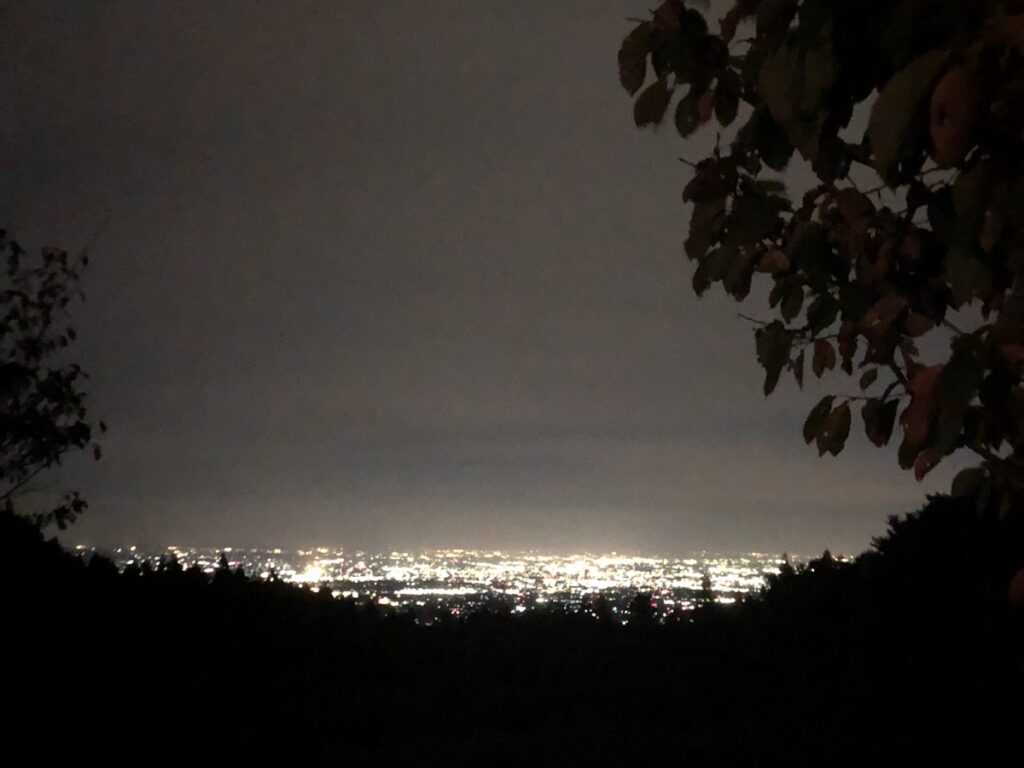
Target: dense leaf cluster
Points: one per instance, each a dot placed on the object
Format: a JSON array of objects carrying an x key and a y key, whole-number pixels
[
  {"x": 42, "y": 400},
  {"x": 909, "y": 115}
]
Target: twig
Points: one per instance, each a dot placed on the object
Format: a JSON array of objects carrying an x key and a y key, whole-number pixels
[
  {"x": 888, "y": 390},
  {"x": 753, "y": 319},
  {"x": 901, "y": 377},
  {"x": 986, "y": 454},
  {"x": 20, "y": 484},
  {"x": 952, "y": 327}
]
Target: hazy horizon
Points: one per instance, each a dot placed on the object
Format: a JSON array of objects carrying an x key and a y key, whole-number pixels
[{"x": 422, "y": 544}]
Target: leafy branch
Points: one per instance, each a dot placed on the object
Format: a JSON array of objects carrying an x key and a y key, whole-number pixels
[{"x": 855, "y": 284}]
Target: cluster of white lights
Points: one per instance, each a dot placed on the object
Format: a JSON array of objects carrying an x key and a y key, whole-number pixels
[{"x": 457, "y": 578}]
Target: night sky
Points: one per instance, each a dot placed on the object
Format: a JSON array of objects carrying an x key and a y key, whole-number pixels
[{"x": 399, "y": 275}]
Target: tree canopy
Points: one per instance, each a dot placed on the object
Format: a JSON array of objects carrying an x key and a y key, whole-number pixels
[
  {"x": 43, "y": 411},
  {"x": 909, "y": 116}
]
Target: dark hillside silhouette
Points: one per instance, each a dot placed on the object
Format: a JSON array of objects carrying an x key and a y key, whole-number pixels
[{"x": 904, "y": 655}]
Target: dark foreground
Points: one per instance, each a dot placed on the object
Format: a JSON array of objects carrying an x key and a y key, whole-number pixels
[{"x": 912, "y": 655}]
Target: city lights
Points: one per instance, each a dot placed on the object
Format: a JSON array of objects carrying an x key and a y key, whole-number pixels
[{"x": 455, "y": 581}]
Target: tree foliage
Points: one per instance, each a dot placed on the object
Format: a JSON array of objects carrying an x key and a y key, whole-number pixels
[
  {"x": 42, "y": 401},
  {"x": 910, "y": 117}
]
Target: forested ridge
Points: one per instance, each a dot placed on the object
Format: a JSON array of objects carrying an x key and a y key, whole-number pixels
[{"x": 909, "y": 652}]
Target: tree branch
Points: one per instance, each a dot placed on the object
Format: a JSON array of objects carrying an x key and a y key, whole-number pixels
[{"x": 20, "y": 484}]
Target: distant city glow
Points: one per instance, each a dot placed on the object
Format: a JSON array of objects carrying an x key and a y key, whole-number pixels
[
  {"x": 314, "y": 574},
  {"x": 454, "y": 581}
]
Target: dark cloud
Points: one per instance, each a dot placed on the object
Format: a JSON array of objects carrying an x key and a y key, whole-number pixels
[{"x": 393, "y": 274}]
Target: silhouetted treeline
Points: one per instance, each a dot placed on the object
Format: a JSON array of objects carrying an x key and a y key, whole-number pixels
[{"x": 907, "y": 656}]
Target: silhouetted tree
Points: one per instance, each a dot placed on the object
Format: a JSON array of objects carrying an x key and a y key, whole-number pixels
[
  {"x": 706, "y": 595},
  {"x": 641, "y": 608},
  {"x": 914, "y": 215},
  {"x": 169, "y": 564},
  {"x": 42, "y": 404}
]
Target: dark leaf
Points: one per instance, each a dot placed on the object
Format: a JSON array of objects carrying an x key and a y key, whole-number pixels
[
  {"x": 774, "y": 17},
  {"x": 832, "y": 162},
  {"x": 822, "y": 312},
  {"x": 971, "y": 195},
  {"x": 816, "y": 418},
  {"x": 853, "y": 205},
  {"x": 877, "y": 320},
  {"x": 633, "y": 58},
  {"x": 968, "y": 481},
  {"x": 792, "y": 301},
  {"x": 719, "y": 262},
  {"x": 967, "y": 276},
  {"x": 705, "y": 225},
  {"x": 779, "y": 87},
  {"x": 737, "y": 278},
  {"x": 651, "y": 104},
  {"x": 899, "y": 110},
  {"x": 689, "y": 114},
  {"x": 701, "y": 282},
  {"x": 868, "y": 378},
  {"x": 811, "y": 251},
  {"x": 917, "y": 325},
  {"x": 925, "y": 462},
  {"x": 754, "y": 218},
  {"x": 919, "y": 416},
  {"x": 764, "y": 135},
  {"x": 714, "y": 180},
  {"x": 879, "y": 419},
  {"x": 961, "y": 377},
  {"x": 727, "y": 96},
  {"x": 773, "y": 346},
  {"x": 835, "y": 430},
  {"x": 952, "y": 114},
  {"x": 824, "y": 357}
]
